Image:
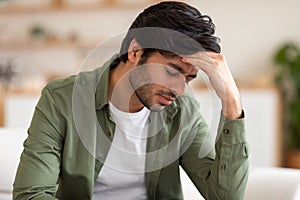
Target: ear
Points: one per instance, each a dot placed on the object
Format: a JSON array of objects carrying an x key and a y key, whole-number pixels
[{"x": 134, "y": 52}]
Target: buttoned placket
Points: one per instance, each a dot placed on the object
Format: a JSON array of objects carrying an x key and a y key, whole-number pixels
[{"x": 107, "y": 127}]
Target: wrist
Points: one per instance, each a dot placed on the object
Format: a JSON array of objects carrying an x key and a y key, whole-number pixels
[{"x": 232, "y": 107}]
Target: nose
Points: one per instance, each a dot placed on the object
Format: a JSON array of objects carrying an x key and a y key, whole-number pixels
[
  {"x": 173, "y": 94},
  {"x": 178, "y": 86}
]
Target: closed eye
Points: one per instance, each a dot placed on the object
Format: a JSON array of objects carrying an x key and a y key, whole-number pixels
[
  {"x": 179, "y": 70},
  {"x": 173, "y": 73}
]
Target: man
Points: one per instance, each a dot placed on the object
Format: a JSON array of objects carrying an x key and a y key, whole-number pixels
[{"x": 122, "y": 130}]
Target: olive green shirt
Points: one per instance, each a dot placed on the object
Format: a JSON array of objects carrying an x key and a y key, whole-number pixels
[{"x": 71, "y": 132}]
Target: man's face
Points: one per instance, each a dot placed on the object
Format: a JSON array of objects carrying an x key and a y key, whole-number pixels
[{"x": 160, "y": 80}]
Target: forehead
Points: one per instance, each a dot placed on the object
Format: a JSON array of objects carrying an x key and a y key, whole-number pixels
[{"x": 172, "y": 61}]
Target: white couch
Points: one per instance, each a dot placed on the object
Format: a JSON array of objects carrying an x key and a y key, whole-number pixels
[
  {"x": 273, "y": 183},
  {"x": 11, "y": 146},
  {"x": 269, "y": 183}
]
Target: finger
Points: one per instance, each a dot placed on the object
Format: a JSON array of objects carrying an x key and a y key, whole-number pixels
[
  {"x": 205, "y": 55},
  {"x": 198, "y": 63},
  {"x": 199, "y": 56},
  {"x": 201, "y": 60}
]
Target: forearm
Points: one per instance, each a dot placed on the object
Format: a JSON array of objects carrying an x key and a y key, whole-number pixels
[
  {"x": 222, "y": 172},
  {"x": 230, "y": 168},
  {"x": 231, "y": 104}
]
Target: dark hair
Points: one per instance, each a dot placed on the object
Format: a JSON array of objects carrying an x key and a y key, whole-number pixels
[{"x": 172, "y": 16}]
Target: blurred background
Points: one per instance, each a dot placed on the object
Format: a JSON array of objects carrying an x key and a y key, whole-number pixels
[{"x": 46, "y": 39}]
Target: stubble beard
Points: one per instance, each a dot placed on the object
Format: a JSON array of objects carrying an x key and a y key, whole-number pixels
[{"x": 143, "y": 89}]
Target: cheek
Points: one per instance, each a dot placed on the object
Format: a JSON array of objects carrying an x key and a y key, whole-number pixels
[
  {"x": 158, "y": 76},
  {"x": 139, "y": 78},
  {"x": 149, "y": 79},
  {"x": 152, "y": 75},
  {"x": 176, "y": 83}
]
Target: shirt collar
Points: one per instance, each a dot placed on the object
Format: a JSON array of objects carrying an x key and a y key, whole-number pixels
[{"x": 103, "y": 84}]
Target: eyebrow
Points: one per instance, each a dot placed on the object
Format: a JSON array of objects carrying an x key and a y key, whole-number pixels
[
  {"x": 180, "y": 69},
  {"x": 177, "y": 67}
]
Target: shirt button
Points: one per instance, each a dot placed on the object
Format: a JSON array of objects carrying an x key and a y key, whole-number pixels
[
  {"x": 223, "y": 166},
  {"x": 226, "y": 131},
  {"x": 109, "y": 133}
]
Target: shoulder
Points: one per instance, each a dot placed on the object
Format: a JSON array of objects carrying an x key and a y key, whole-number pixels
[
  {"x": 60, "y": 83},
  {"x": 67, "y": 84}
]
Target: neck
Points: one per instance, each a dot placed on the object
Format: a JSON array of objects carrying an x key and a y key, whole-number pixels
[{"x": 121, "y": 93}]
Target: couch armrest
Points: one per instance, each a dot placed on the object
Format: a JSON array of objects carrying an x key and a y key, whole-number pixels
[{"x": 273, "y": 183}]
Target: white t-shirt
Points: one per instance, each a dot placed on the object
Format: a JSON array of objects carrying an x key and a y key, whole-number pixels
[{"x": 122, "y": 176}]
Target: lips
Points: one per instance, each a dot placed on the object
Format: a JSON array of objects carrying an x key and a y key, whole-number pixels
[{"x": 166, "y": 100}]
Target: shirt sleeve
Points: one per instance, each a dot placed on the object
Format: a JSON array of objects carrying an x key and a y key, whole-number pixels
[
  {"x": 219, "y": 169},
  {"x": 38, "y": 170}
]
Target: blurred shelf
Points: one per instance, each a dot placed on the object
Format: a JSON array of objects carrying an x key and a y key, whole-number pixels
[
  {"x": 36, "y": 44},
  {"x": 76, "y": 7},
  {"x": 21, "y": 8}
]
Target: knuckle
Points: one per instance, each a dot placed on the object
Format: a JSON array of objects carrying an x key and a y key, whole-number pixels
[
  {"x": 216, "y": 63},
  {"x": 221, "y": 57}
]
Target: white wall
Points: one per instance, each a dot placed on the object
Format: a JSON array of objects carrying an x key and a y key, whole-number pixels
[{"x": 251, "y": 30}]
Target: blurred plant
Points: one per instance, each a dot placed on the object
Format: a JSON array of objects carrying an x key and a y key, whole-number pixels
[
  {"x": 287, "y": 60},
  {"x": 38, "y": 31},
  {"x": 9, "y": 68}
]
